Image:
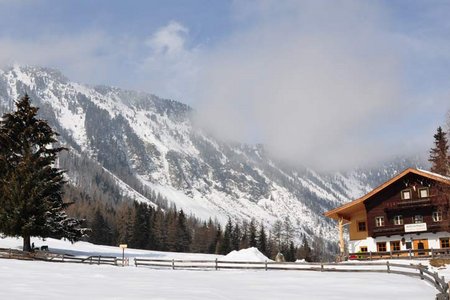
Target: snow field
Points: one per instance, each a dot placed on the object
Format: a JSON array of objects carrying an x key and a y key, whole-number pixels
[
  {"x": 47, "y": 280},
  {"x": 44, "y": 280}
]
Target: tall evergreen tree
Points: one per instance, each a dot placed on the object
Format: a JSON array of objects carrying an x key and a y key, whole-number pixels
[
  {"x": 236, "y": 237},
  {"x": 31, "y": 187},
  {"x": 304, "y": 252},
  {"x": 101, "y": 232},
  {"x": 184, "y": 236},
  {"x": 439, "y": 156},
  {"x": 252, "y": 234},
  {"x": 141, "y": 228},
  {"x": 291, "y": 252},
  {"x": 225, "y": 246},
  {"x": 262, "y": 240}
]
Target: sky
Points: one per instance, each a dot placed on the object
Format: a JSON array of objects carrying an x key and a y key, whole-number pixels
[{"x": 330, "y": 84}]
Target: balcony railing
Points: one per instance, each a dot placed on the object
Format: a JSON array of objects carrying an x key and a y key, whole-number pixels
[
  {"x": 400, "y": 229},
  {"x": 407, "y": 204}
]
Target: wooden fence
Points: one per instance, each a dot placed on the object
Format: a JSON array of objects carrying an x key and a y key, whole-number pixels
[
  {"x": 419, "y": 271},
  {"x": 53, "y": 257},
  {"x": 402, "y": 254}
]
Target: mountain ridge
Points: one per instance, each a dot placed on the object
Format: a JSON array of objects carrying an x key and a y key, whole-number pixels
[{"x": 146, "y": 142}]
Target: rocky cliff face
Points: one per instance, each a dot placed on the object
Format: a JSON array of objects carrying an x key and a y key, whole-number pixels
[{"x": 147, "y": 143}]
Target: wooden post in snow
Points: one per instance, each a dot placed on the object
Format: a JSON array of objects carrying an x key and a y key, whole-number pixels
[{"x": 341, "y": 236}]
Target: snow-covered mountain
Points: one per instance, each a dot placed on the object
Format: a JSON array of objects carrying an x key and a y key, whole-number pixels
[{"x": 138, "y": 137}]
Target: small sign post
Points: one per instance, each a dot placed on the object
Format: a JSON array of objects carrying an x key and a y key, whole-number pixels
[{"x": 123, "y": 246}]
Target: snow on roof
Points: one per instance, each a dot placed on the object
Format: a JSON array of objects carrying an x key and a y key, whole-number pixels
[
  {"x": 250, "y": 254},
  {"x": 434, "y": 174}
]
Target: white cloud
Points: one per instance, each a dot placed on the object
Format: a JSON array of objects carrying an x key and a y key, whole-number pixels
[
  {"x": 312, "y": 86},
  {"x": 169, "y": 67},
  {"x": 320, "y": 83},
  {"x": 86, "y": 57},
  {"x": 169, "y": 40}
]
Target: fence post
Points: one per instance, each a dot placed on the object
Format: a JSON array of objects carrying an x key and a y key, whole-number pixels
[
  {"x": 216, "y": 264},
  {"x": 99, "y": 259},
  {"x": 266, "y": 265},
  {"x": 173, "y": 264},
  {"x": 388, "y": 267},
  {"x": 390, "y": 252},
  {"x": 63, "y": 258},
  {"x": 447, "y": 289},
  {"x": 410, "y": 256},
  {"x": 321, "y": 267},
  {"x": 10, "y": 253},
  {"x": 135, "y": 262},
  {"x": 90, "y": 261},
  {"x": 370, "y": 255},
  {"x": 436, "y": 279},
  {"x": 421, "y": 271}
]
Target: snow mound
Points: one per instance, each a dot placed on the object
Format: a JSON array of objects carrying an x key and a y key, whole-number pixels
[{"x": 250, "y": 254}]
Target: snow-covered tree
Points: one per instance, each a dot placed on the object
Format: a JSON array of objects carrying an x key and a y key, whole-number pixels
[{"x": 31, "y": 187}]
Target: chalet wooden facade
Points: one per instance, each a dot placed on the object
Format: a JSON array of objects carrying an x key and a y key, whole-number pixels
[{"x": 410, "y": 211}]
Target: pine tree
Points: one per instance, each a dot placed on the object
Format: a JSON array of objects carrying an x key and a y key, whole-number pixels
[
  {"x": 304, "y": 252},
  {"x": 236, "y": 237},
  {"x": 252, "y": 234},
  {"x": 225, "y": 246},
  {"x": 184, "y": 237},
  {"x": 101, "y": 232},
  {"x": 277, "y": 231},
  {"x": 217, "y": 241},
  {"x": 139, "y": 238},
  {"x": 31, "y": 187},
  {"x": 244, "y": 243},
  {"x": 262, "y": 240},
  {"x": 291, "y": 252},
  {"x": 439, "y": 156}
]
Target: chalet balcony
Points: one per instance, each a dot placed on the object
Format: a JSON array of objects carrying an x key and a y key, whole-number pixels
[
  {"x": 400, "y": 229},
  {"x": 388, "y": 230},
  {"x": 410, "y": 204}
]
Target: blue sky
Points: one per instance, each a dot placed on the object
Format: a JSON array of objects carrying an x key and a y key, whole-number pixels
[{"x": 370, "y": 77}]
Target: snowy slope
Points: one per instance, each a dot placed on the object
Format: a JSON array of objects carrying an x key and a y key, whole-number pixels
[{"x": 154, "y": 140}]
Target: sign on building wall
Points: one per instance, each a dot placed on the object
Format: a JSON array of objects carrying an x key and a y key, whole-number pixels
[{"x": 415, "y": 227}]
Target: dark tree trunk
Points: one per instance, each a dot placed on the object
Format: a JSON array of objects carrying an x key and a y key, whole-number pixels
[{"x": 26, "y": 244}]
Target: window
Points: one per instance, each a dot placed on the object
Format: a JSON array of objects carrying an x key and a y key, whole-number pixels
[
  {"x": 398, "y": 220},
  {"x": 408, "y": 245},
  {"x": 381, "y": 247},
  {"x": 424, "y": 192},
  {"x": 406, "y": 194},
  {"x": 395, "y": 246},
  {"x": 379, "y": 221},
  {"x": 445, "y": 242},
  {"x": 437, "y": 216},
  {"x": 418, "y": 219},
  {"x": 363, "y": 248},
  {"x": 361, "y": 226}
]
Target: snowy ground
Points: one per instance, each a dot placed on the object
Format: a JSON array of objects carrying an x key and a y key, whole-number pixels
[{"x": 46, "y": 280}]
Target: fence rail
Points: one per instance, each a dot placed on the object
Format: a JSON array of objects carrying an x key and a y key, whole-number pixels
[
  {"x": 402, "y": 254},
  {"x": 375, "y": 267},
  {"x": 419, "y": 270},
  {"x": 53, "y": 257}
]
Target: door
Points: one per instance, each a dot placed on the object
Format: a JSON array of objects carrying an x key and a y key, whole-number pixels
[{"x": 420, "y": 245}]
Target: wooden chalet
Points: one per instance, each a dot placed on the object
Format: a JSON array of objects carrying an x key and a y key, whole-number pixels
[{"x": 410, "y": 211}]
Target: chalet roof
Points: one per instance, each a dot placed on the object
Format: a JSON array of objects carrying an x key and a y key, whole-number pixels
[{"x": 358, "y": 204}]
